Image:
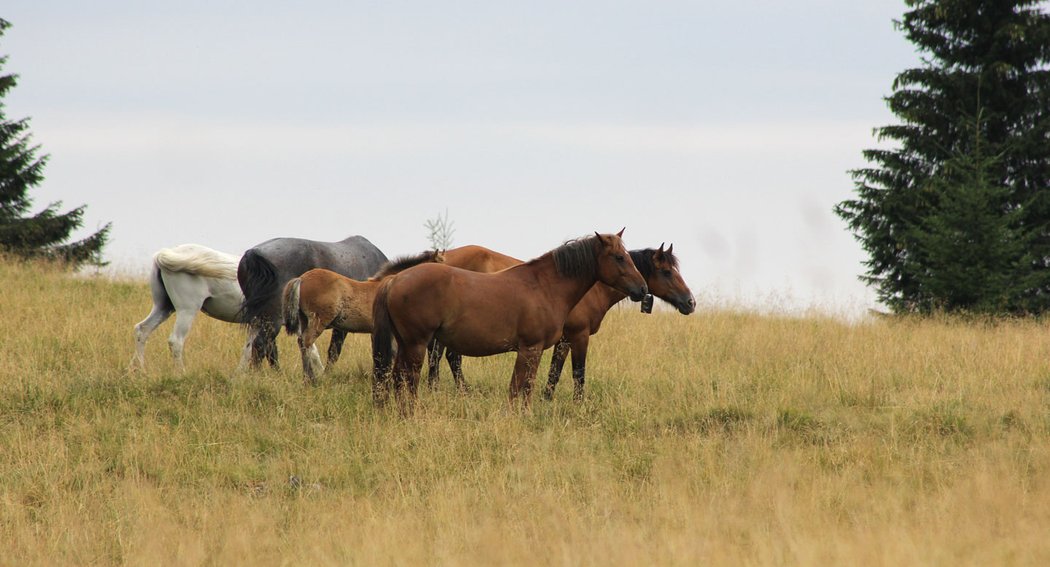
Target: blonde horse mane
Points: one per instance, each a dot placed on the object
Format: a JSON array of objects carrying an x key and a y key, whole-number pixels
[{"x": 198, "y": 260}]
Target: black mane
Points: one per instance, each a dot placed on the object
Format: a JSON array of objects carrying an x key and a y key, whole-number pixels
[{"x": 643, "y": 260}]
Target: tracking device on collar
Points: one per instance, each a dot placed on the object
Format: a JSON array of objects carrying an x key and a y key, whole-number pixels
[{"x": 647, "y": 303}]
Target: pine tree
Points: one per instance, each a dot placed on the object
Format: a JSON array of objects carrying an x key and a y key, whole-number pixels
[
  {"x": 973, "y": 246},
  {"x": 984, "y": 58},
  {"x": 45, "y": 233}
]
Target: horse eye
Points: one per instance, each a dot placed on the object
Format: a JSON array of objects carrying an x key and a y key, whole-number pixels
[
  {"x": 619, "y": 258},
  {"x": 666, "y": 273}
]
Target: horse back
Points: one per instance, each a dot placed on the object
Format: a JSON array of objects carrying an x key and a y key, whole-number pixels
[
  {"x": 479, "y": 259},
  {"x": 354, "y": 257}
]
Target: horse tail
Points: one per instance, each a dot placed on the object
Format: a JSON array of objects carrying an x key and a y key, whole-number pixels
[
  {"x": 258, "y": 279},
  {"x": 290, "y": 306},
  {"x": 383, "y": 333}
]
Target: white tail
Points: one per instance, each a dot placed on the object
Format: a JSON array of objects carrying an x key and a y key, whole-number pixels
[{"x": 198, "y": 260}]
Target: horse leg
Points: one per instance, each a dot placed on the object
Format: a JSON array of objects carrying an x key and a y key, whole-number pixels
[
  {"x": 434, "y": 351},
  {"x": 264, "y": 343},
  {"x": 382, "y": 380},
  {"x": 162, "y": 309},
  {"x": 407, "y": 367},
  {"x": 143, "y": 330},
  {"x": 455, "y": 363},
  {"x": 183, "y": 323},
  {"x": 561, "y": 352},
  {"x": 257, "y": 340},
  {"x": 398, "y": 375},
  {"x": 579, "y": 364},
  {"x": 414, "y": 356},
  {"x": 525, "y": 368},
  {"x": 335, "y": 348},
  {"x": 312, "y": 365},
  {"x": 246, "y": 352},
  {"x": 268, "y": 334}
]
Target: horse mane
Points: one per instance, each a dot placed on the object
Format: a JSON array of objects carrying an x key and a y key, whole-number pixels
[
  {"x": 576, "y": 258},
  {"x": 198, "y": 260},
  {"x": 643, "y": 260},
  {"x": 403, "y": 263}
]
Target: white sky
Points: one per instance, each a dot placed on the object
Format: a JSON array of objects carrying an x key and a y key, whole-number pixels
[{"x": 726, "y": 128}]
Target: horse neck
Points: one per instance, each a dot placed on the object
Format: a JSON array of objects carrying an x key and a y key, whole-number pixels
[
  {"x": 608, "y": 295},
  {"x": 566, "y": 291}
]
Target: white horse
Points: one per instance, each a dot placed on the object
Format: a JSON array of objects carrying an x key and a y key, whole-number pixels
[{"x": 184, "y": 280}]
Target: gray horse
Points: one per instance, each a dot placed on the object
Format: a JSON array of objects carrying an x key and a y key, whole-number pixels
[{"x": 266, "y": 268}]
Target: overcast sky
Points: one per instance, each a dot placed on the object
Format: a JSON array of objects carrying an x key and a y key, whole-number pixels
[{"x": 727, "y": 128}]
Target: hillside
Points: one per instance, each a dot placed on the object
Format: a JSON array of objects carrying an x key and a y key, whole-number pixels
[{"x": 722, "y": 438}]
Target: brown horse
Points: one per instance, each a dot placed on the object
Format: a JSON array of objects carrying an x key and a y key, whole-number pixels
[
  {"x": 660, "y": 270},
  {"x": 522, "y": 308},
  {"x": 658, "y": 267},
  {"x": 476, "y": 259},
  {"x": 322, "y": 299}
]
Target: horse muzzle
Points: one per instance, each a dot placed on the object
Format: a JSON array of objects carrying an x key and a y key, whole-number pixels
[
  {"x": 686, "y": 305},
  {"x": 638, "y": 294}
]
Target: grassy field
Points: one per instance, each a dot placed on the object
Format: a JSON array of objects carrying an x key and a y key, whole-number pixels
[{"x": 722, "y": 438}]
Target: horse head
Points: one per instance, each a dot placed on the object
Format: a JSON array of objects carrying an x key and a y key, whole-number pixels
[
  {"x": 615, "y": 267},
  {"x": 665, "y": 281}
]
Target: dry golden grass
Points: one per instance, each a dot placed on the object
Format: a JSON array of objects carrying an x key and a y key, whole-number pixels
[{"x": 723, "y": 438}]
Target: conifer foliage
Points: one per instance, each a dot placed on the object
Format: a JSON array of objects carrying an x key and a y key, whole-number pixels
[
  {"x": 44, "y": 234},
  {"x": 956, "y": 216}
]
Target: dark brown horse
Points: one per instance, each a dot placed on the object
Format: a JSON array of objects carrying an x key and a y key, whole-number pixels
[
  {"x": 522, "y": 308},
  {"x": 660, "y": 270},
  {"x": 321, "y": 299}
]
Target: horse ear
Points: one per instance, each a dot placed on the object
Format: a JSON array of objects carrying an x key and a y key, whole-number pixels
[
  {"x": 669, "y": 248},
  {"x": 661, "y": 247},
  {"x": 620, "y": 234},
  {"x": 600, "y": 237}
]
